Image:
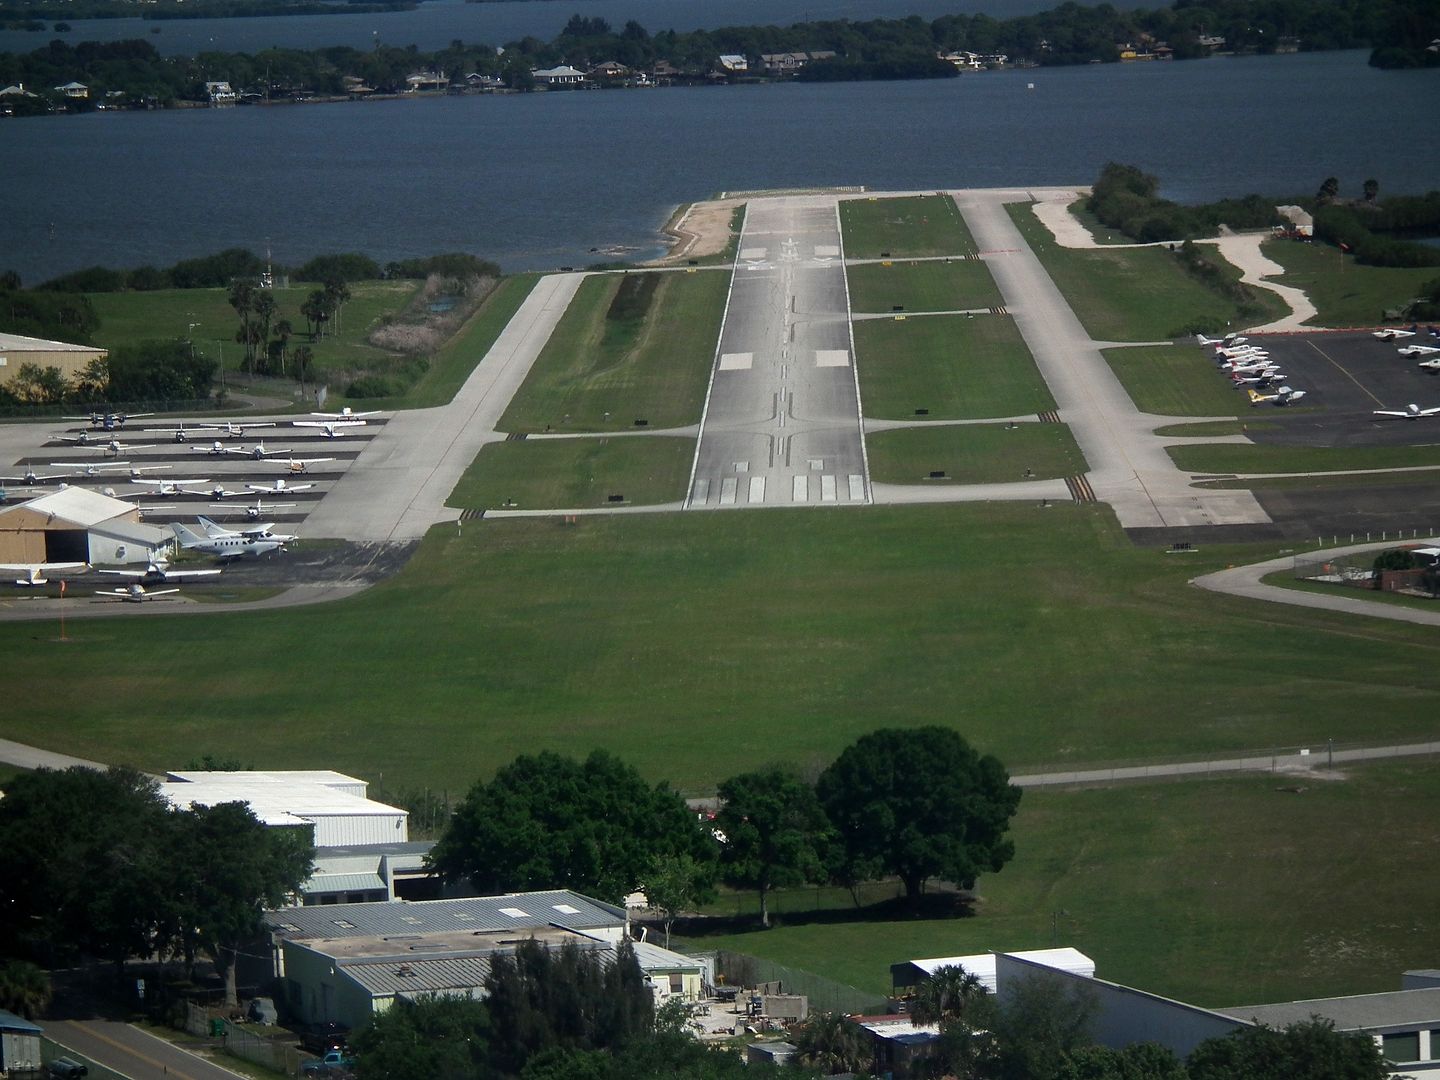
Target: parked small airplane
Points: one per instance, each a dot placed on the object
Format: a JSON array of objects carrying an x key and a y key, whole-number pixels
[
  {"x": 108, "y": 421},
  {"x": 253, "y": 532},
  {"x": 1410, "y": 412},
  {"x": 89, "y": 468},
  {"x": 1418, "y": 350},
  {"x": 330, "y": 429},
  {"x": 1430, "y": 365},
  {"x": 1245, "y": 352},
  {"x": 158, "y": 572},
  {"x": 135, "y": 593},
  {"x": 254, "y": 512},
  {"x": 224, "y": 547},
  {"x": 79, "y": 439},
  {"x": 300, "y": 465},
  {"x": 34, "y": 573},
  {"x": 346, "y": 413},
  {"x": 168, "y": 488},
  {"x": 1283, "y": 396},
  {"x": 1392, "y": 334},
  {"x": 215, "y": 449},
  {"x": 237, "y": 431},
  {"x": 258, "y": 451},
  {"x": 32, "y": 478},
  {"x": 219, "y": 491},
  {"x": 1257, "y": 378},
  {"x": 278, "y": 487},
  {"x": 1227, "y": 341}
]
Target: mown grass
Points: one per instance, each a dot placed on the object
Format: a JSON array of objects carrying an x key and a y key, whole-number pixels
[
  {"x": 922, "y": 286},
  {"x": 973, "y": 454},
  {"x": 601, "y": 373},
  {"x": 906, "y": 227},
  {"x": 1213, "y": 427},
  {"x": 958, "y": 367},
  {"x": 1101, "y": 232},
  {"x": 1042, "y": 635},
  {"x": 576, "y": 473},
  {"x": 1237, "y": 458},
  {"x": 1346, "y": 481},
  {"x": 1131, "y": 294},
  {"x": 166, "y": 314},
  {"x": 1344, "y": 292},
  {"x": 1217, "y": 892},
  {"x": 1285, "y": 579},
  {"x": 1175, "y": 380}
]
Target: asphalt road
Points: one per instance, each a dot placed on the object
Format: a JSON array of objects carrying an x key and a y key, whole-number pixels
[
  {"x": 132, "y": 1052},
  {"x": 782, "y": 421}
]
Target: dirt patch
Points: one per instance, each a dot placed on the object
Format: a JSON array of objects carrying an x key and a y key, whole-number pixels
[{"x": 701, "y": 230}]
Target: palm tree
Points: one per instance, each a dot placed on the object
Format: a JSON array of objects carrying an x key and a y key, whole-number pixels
[
  {"x": 24, "y": 988},
  {"x": 283, "y": 331},
  {"x": 1372, "y": 189},
  {"x": 242, "y": 299},
  {"x": 950, "y": 995},
  {"x": 834, "y": 1044},
  {"x": 264, "y": 308}
]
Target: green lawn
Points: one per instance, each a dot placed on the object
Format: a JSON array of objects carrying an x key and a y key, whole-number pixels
[
  {"x": 1044, "y": 636},
  {"x": 601, "y": 374},
  {"x": 1285, "y": 579},
  {"x": 1346, "y": 481},
  {"x": 1175, "y": 380},
  {"x": 1345, "y": 293},
  {"x": 907, "y": 227},
  {"x": 1235, "y": 458},
  {"x": 960, "y": 368},
  {"x": 576, "y": 473},
  {"x": 1132, "y": 294},
  {"x": 1214, "y": 427},
  {"x": 1103, "y": 234},
  {"x": 922, "y": 286},
  {"x": 973, "y": 454},
  {"x": 126, "y": 318},
  {"x": 1217, "y": 892}
]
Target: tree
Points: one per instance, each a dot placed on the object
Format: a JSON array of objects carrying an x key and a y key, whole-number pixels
[
  {"x": 24, "y": 988},
  {"x": 436, "y": 1036},
  {"x": 1138, "y": 1061},
  {"x": 1312, "y": 1049},
  {"x": 1037, "y": 1026},
  {"x": 1329, "y": 190},
  {"x": 950, "y": 995},
  {"x": 832, "y": 1044},
  {"x": 284, "y": 330},
  {"x": 1372, "y": 190},
  {"x": 920, "y": 803},
  {"x": 550, "y": 822},
  {"x": 36, "y": 385},
  {"x": 775, "y": 833},
  {"x": 678, "y": 883},
  {"x": 264, "y": 307},
  {"x": 242, "y": 299}
]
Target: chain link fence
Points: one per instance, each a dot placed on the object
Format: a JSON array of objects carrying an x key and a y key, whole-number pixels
[{"x": 825, "y": 995}]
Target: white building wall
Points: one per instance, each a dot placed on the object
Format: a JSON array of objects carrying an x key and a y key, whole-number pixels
[
  {"x": 109, "y": 549},
  {"x": 345, "y": 830}
]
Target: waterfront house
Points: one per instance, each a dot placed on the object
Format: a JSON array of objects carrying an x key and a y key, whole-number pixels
[
  {"x": 74, "y": 91},
  {"x": 564, "y": 75},
  {"x": 220, "y": 93}
]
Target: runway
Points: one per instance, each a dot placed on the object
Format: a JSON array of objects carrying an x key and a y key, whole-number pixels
[{"x": 782, "y": 423}]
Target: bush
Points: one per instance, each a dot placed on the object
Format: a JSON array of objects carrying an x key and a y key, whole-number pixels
[
  {"x": 350, "y": 266},
  {"x": 216, "y": 271},
  {"x": 373, "y": 386},
  {"x": 453, "y": 264}
]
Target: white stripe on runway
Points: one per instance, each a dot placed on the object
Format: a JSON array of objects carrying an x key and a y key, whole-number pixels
[
  {"x": 727, "y": 491},
  {"x": 827, "y": 488},
  {"x": 736, "y": 361},
  {"x": 857, "y": 487},
  {"x": 757, "y": 489},
  {"x": 832, "y": 358},
  {"x": 800, "y": 488},
  {"x": 702, "y": 492},
  {"x": 752, "y": 253},
  {"x": 826, "y": 251}
]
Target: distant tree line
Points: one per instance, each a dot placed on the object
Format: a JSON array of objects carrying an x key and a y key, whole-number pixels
[
  {"x": 1127, "y": 200},
  {"x": 33, "y": 11},
  {"x": 1398, "y": 30},
  {"x": 1375, "y": 230},
  {"x": 916, "y": 804}
]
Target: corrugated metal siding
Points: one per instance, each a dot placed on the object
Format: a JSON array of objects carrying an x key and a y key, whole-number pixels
[
  {"x": 479, "y": 913},
  {"x": 342, "y": 830}
]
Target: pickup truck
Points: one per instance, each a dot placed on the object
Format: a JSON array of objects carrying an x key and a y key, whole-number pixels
[{"x": 334, "y": 1063}]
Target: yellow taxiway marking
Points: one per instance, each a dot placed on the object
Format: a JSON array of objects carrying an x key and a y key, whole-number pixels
[
  {"x": 118, "y": 1045},
  {"x": 1346, "y": 373}
]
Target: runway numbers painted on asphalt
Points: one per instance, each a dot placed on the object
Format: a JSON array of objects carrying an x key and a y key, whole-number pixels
[
  {"x": 832, "y": 358},
  {"x": 827, "y": 488},
  {"x": 736, "y": 361},
  {"x": 702, "y": 491},
  {"x": 757, "y": 489},
  {"x": 857, "y": 488},
  {"x": 752, "y": 254},
  {"x": 727, "y": 491},
  {"x": 826, "y": 251},
  {"x": 800, "y": 488}
]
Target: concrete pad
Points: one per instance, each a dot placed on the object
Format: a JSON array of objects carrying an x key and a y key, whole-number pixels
[
  {"x": 737, "y": 361},
  {"x": 727, "y": 491},
  {"x": 757, "y": 489},
  {"x": 832, "y": 358},
  {"x": 857, "y": 488}
]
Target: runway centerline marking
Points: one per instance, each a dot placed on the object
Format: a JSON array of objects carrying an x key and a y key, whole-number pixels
[{"x": 1346, "y": 373}]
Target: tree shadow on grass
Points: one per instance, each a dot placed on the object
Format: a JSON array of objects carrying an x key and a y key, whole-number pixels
[{"x": 936, "y": 905}]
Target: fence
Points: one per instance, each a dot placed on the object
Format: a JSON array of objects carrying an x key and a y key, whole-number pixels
[
  {"x": 1356, "y": 570},
  {"x": 825, "y": 995},
  {"x": 282, "y": 1057}
]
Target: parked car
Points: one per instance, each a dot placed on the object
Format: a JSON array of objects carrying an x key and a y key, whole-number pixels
[
  {"x": 334, "y": 1064},
  {"x": 262, "y": 1011}
]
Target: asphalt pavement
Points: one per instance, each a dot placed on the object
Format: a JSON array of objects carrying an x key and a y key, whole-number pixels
[{"x": 132, "y": 1052}]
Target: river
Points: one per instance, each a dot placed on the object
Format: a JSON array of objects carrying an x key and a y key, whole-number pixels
[{"x": 538, "y": 180}]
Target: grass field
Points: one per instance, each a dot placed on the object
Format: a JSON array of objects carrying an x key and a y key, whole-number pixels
[
  {"x": 166, "y": 314},
  {"x": 913, "y": 226},
  {"x": 1213, "y": 427},
  {"x": 1367, "y": 481},
  {"x": 1103, "y": 234},
  {"x": 1235, "y": 458},
  {"x": 576, "y": 473},
  {"x": 1175, "y": 380},
  {"x": 973, "y": 454},
  {"x": 1218, "y": 892},
  {"x": 1132, "y": 294},
  {"x": 922, "y": 286},
  {"x": 1343, "y": 292},
  {"x": 959, "y": 368},
  {"x": 1042, "y": 635},
  {"x": 608, "y": 364},
  {"x": 1286, "y": 579}
]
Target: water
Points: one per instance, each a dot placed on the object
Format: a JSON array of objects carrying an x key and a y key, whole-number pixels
[
  {"x": 436, "y": 23},
  {"x": 538, "y": 181}
]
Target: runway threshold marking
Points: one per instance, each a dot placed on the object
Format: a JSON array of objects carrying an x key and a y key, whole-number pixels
[
  {"x": 736, "y": 361},
  {"x": 1080, "y": 489},
  {"x": 832, "y": 358},
  {"x": 757, "y": 489},
  {"x": 800, "y": 488},
  {"x": 702, "y": 492},
  {"x": 1339, "y": 367}
]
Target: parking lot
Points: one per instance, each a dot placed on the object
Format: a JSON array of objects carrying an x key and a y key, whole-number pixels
[{"x": 1345, "y": 378}]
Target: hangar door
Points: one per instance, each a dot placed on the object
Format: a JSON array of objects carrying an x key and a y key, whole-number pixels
[{"x": 67, "y": 545}]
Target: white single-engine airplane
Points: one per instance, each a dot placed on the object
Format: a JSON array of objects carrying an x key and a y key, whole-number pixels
[
  {"x": 34, "y": 573},
  {"x": 1283, "y": 396},
  {"x": 277, "y": 487},
  {"x": 330, "y": 429},
  {"x": 1227, "y": 341},
  {"x": 1430, "y": 365},
  {"x": 31, "y": 477},
  {"x": 108, "y": 421},
  {"x": 159, "y": 573},
  {"x": 1418, "y": 350},
  {"x": 168, "y": 488},
  {"x": 258, "y": 452},
  {"x": 254, "y": 511},
  {"x": 346, "y": 413},
  {"x": 252, "y": 532},
  {"x": 89, "y": 468},
  {"x": 224, "y": 547},
  {"x": 1392, "y": 334},
  {"x": 1410, "y": 412},
  {"x": 236, "y": 431},
  {"x": 135, "y": 593}
]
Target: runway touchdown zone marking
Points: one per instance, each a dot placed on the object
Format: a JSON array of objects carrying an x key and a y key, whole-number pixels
[
  {"x": 737, "y": 361},
  {"x": 832, "y": 358}
]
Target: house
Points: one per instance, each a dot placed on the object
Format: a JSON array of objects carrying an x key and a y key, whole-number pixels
[
  {"x": 898, "y": 1043},
  {"x": 16, "y": 349},
  {"x": 425, "y": 80},
  {"x": 787, "y": 63},
  {"x": 355, "y": 86},
  {"x": 476, "y": 81},
  {"x": 79, "y": 525},
  {"x": 564, "y": 75},
  {"x": 664, "y": 72},
  {"x": 734, "y": 64},
  {"x": 610, "y": 71},
  {"x": 348, "y": 962},
  {"x": 16, "y": 90},
  {"x": 220, "y": 93},
  {"x": 74, "y": 91}
]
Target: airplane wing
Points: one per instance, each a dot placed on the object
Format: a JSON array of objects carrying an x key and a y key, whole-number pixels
[
  {"x": 150, "y": 594},
  {"x": 308, "y": 460},
  {"x": 133, "y": 575},
  {"x": 1400, "y": 413},
  {"x": 1256, "y": 397},
  {"x": 347, "y": 415},
  {"x": 328, "y": 423},
  {"x": 185, "y": 575},
  {"x": 1430, "y": 412},
  {"x": 34, "y": 573},
  {"x": 32, "y": 479}
]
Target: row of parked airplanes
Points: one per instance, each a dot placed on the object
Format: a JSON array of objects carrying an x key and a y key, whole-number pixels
[
  {"x": 212, "y": 539},
  {"x": 1429, "y": 357},
  {"x": 115, "y": 421},
  {"x": 1249, "y": 366}
]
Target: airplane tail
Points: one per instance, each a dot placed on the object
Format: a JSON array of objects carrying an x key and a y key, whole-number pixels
[
  {"x": 1255, "y": 397},
  {"x": 188, "y": 537},
  {"x": 211, "y": 529},
  {"x": 1201, "y": 339}
]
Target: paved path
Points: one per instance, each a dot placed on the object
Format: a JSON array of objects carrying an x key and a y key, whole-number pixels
[
  {"x": 1245, "y": 581},
  {"x": 1129, "y": 468},
  {"x": 1318, "y": 757},
  {"x": 396, "y": 489},
  {"x": 28, "y": 757},
  {"x": 132, "y": 1052}
]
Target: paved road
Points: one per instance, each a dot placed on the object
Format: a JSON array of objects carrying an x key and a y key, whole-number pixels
[
  {"x": 132, "y": 1052},
  {"x": 1128, "y": 465},
  {"x": 396, "y": 489},
  {"x": 28, "y": 757},
  {"x": 782, "y": 419},
  {"x": 1245, "y": 581}
]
